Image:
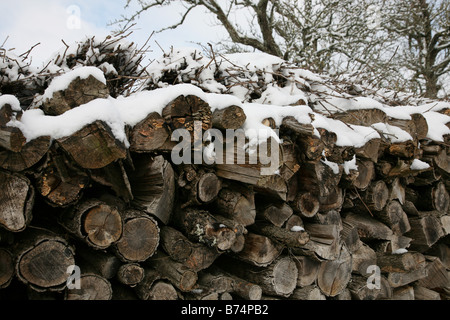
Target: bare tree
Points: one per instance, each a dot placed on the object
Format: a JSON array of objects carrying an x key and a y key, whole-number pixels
[
  {"x": 310, "y": 32},
  {"x": 422, "y": 28}
]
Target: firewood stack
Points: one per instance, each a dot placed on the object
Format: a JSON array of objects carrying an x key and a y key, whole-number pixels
[{"x": 140, "y": 226}]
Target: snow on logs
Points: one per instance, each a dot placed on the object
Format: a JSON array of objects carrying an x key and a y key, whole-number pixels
[{"x": 91, "y": 180}]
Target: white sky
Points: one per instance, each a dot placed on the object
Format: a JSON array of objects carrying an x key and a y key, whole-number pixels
[{"x": 27, "y": 22}]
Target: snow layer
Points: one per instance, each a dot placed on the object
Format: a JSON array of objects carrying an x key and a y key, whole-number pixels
[
  {"x": 62, "y": 82},
  {"x": 263, "y": 85},
  {"x": 11, "y": 100}
]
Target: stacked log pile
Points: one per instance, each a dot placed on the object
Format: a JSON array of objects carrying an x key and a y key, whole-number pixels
[{"x": 333, "y": 221}]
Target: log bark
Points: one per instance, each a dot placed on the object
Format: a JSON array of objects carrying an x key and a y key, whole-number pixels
[
  {"x": 140, "y": 236},
  {"x": 279, "y": 278},
  {"x": 16, "y": 201},
  {"x": 93, "y": 221},
  {"x": 291, "y": 239}
]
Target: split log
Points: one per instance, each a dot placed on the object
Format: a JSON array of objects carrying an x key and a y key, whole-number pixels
[
  {"x": 291, "y": 163},
  {"x": 318, "y": 178},
  {"x": 178, "y": 274},
  {"x": 278, "y": 279},
  {"x": 259, "y": 250},
  {"x": 399, "y": 279},
  {"x": 42, "y": 259},
  {"x": 236, "y": 202},
  {"x": 425, "y": 231},
  {"x": 366, "y": 174},
  {"x": 196, "y": 256},
  {"x": 437, "y": 275},
  {"x": 349, "y": 234},
  {"x": 149, "y": 134},
  {"x": 130, "y": 274},
  {"x": 324, "y": 242},
  {"x": 403, "y": 293},
  {"x": 404, "y": 262},
  {"x": 92, "y": 287},
  {"x": 334, "y": 275},
  {"x": 422, "y": 293},
  {"x": 30, "y": 154},
  {"x": 94, "y": 146},
  {"x": 368, "y": 227},
  {"x": 277, "y": 213},
  {"x": 93, "y": 221},
  {"x": 369, "y": 151},
  {"x": 16, "y": 153},
  {"x": 16, "y": 201},
  {"x": 397, "y": 191},
  {"x": 232, "y": 117},
  {"x": 374, "y": 198},
  {"x": 78, "y": 92},
  {"x": 362, "y": 258},
  {"x": 114, "y": 176},
  {"x": 153, "y": 186},
  {"x": 140, "y": 236},
  {"x": 308, "y": 269},
  {"x": 59, "y": 181},
  {"x": 201, "y": 226},
  {"x": 7, "y": 271},
  {"x": 431, "y": 198},
  {"x": 441, "y": 251},
  {"x": 394, "y": 217}
]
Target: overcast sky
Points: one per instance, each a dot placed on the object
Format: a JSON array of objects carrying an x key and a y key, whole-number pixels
[{"x": 27, "y": 22}]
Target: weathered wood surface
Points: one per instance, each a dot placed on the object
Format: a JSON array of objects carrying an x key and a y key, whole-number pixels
[{"x": 143, "y": 227}]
